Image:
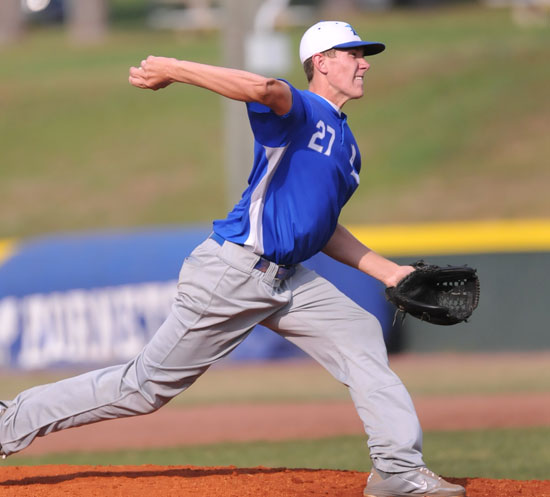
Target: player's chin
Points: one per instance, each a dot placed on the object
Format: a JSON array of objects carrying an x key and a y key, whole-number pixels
[
  {"x": 357, "y": 94},
  {"x": 358, "y": 90}
]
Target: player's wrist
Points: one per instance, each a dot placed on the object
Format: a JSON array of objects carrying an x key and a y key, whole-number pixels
[
  {"x": 398, "y": 274},
  {"x": 172, "y": 70}
]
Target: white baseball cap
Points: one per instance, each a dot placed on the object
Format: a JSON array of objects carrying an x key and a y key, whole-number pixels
[{"x": 334, "y": 34}]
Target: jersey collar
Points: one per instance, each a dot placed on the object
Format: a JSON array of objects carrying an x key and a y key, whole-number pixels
[{"x": 332, "y": 104}]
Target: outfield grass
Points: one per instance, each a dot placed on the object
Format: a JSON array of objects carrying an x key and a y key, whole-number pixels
[
  {"x": 499, "y": 453},
  {"x": 306, "y": 381},
  {"x": 512, "y": 453},
  {"x": 458, "y": 100}
]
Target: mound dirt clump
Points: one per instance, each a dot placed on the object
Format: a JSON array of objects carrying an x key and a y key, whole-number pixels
[{"x": 187, "y": 481}]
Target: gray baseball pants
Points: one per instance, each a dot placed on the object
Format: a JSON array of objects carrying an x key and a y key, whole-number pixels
[{"x": 221, "y": 297}]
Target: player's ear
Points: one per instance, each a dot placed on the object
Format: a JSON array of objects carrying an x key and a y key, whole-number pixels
[{"x": 319, "y": 63}]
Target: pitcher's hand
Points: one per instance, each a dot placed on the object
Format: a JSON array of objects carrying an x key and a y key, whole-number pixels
[{"x": 153, "y": 73}]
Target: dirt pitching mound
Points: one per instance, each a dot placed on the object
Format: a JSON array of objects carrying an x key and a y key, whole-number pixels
[{"x": 184, "y": 481}]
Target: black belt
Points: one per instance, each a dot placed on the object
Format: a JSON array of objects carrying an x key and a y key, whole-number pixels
[{"x": 283, "y": 272}]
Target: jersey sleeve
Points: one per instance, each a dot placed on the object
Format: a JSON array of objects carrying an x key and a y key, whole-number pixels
[{"x": 272, "y": 130}]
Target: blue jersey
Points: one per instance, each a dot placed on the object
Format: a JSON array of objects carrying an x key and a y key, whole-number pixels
[{"x": 306, "y": 167}]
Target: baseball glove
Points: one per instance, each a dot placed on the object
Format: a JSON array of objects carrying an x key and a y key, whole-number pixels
[{"x": 438, "y": 295}]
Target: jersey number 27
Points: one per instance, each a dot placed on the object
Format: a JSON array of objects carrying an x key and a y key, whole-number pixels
[{"x": 316, "y": 141}]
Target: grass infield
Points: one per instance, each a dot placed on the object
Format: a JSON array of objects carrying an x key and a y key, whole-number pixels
[{"x": 519, "y": 454}]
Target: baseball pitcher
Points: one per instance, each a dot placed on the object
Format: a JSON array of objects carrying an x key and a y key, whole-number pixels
[{"x": 248, "y": 272}]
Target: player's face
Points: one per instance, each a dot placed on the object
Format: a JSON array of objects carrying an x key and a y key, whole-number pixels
[{"x": 346, "y": 73}]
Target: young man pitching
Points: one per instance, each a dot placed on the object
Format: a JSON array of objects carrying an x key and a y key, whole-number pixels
[{"x": 306, "y": 167}]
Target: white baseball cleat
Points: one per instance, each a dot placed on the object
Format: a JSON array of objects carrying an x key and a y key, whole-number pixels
[{"x": 420, "y": 482}]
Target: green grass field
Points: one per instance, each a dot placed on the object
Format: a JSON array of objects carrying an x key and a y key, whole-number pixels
[
  {"x": 306, "y": 381},
  {"x": 519, "y": 454},
  {"x": 498, "y": 453},
  {"x": 459, "y": 101}
]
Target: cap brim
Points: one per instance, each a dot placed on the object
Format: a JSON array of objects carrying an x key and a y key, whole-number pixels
[{"x": 369, "y": 47}]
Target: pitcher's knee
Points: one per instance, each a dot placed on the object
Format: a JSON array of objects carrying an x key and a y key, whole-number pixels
[
  {"x": 366, "y": 333},
  {"x": 157, "y": 392}
]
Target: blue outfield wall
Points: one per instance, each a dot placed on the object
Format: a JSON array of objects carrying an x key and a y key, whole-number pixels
[
  {"x": 93, "y": 299},
  {"x": 96, "y": 298}
]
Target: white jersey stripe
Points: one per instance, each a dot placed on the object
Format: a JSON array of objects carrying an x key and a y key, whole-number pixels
[{"x": 255, "y": 236}]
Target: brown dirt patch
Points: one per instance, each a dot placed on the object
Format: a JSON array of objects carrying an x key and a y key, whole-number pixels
[{"x": 183, "y": 481}]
